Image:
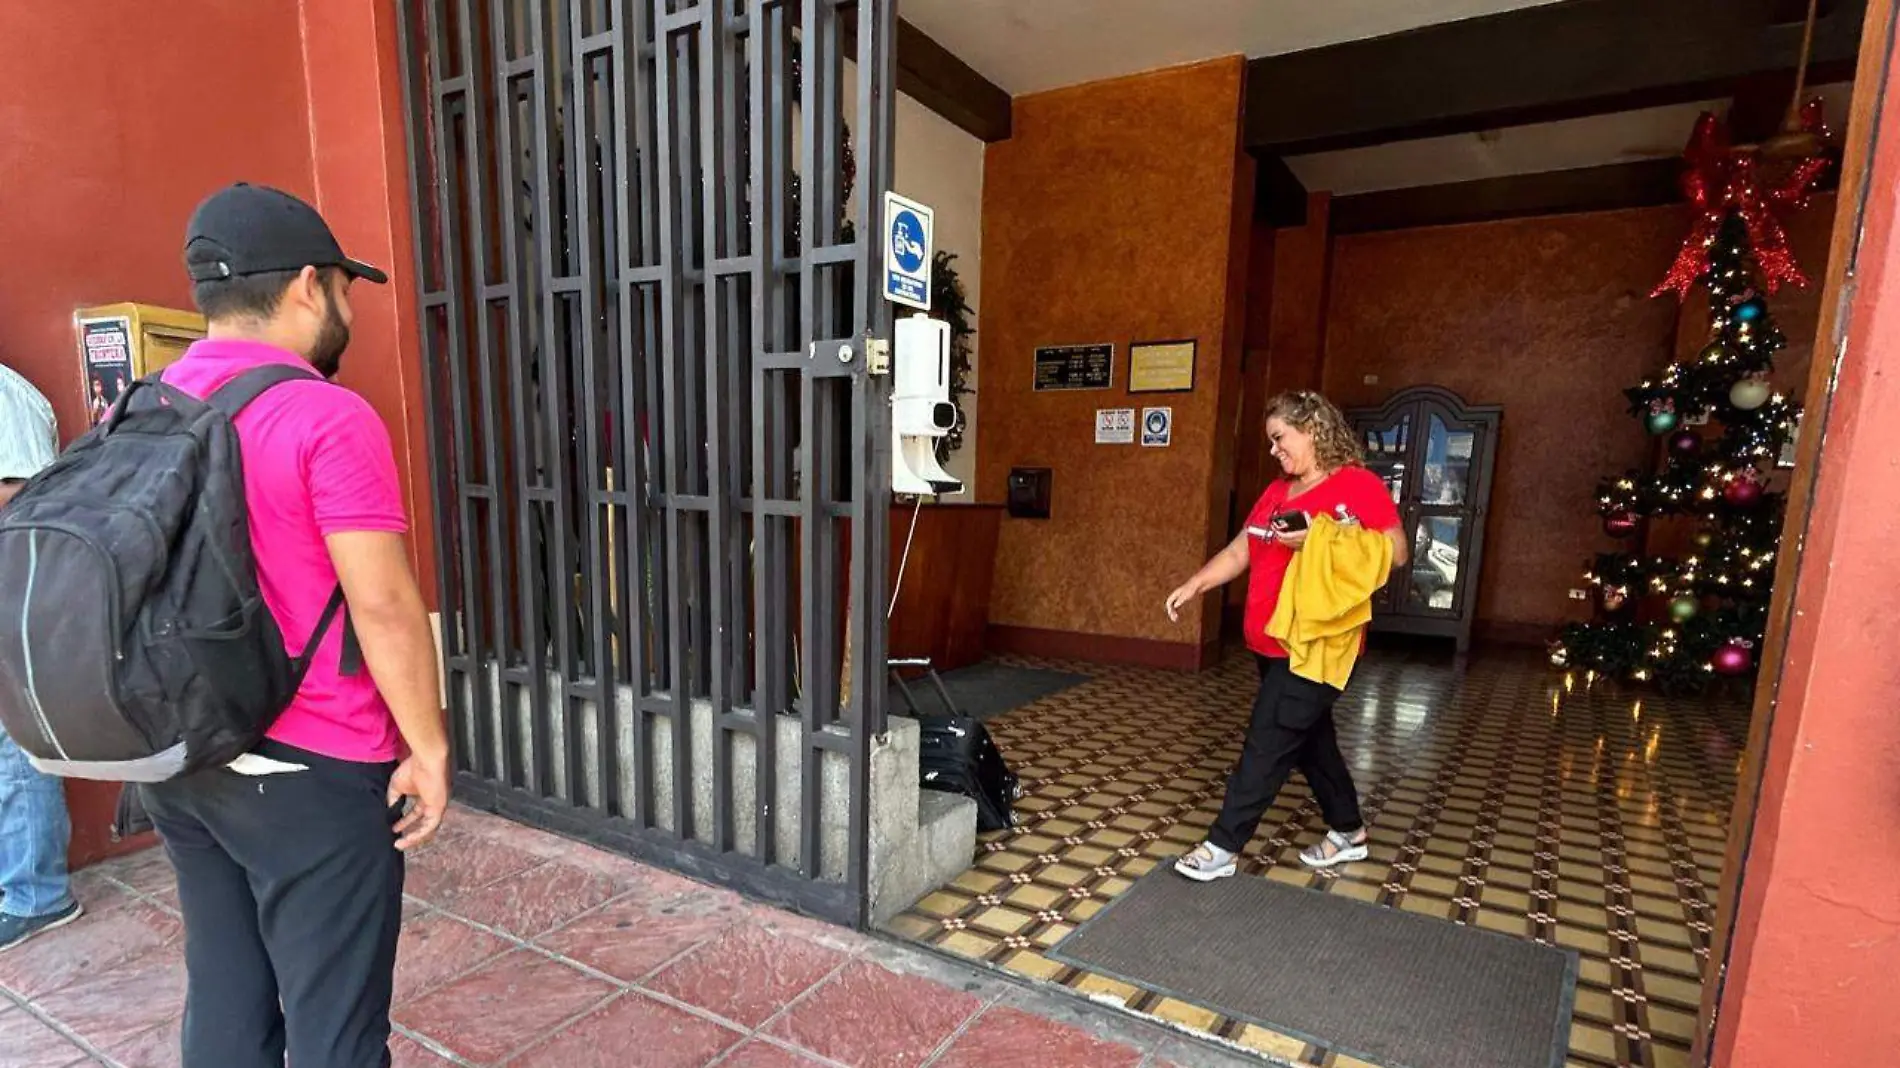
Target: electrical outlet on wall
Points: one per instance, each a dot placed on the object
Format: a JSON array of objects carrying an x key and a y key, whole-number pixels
[{"x": 1579, "y": 595}]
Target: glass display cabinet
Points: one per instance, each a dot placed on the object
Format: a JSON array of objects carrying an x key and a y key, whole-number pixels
[{"x": 1436, "y": 455}]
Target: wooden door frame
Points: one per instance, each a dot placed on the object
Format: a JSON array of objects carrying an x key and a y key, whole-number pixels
[{"x": 1870, "y": 79}]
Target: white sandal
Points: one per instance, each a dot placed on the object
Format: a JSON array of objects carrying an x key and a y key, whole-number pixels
[
  {"x": 1203, "y": 866},
  {"x": 1333, "y": 850}
]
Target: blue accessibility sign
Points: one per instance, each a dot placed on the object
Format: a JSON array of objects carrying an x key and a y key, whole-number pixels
[{"x": 907, "y": 232}]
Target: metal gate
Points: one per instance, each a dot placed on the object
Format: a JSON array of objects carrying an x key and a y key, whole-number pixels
[{"x": 660, "y": 462}]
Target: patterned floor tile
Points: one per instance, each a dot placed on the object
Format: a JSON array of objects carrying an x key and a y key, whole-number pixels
[{"x": 1505, "y": 796}]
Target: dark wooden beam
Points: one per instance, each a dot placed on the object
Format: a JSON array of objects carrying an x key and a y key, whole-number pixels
[
  {"x": 1646, "y": 183},
  {"x": 1539, "y": 64},
  {"x": 1279, "y": 197},
  {"x": 937, "y": 79},
  {"x": 932, "y": 75}
]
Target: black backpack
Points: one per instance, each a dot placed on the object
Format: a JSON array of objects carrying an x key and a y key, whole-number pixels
[{"x": 135, "y": 645}]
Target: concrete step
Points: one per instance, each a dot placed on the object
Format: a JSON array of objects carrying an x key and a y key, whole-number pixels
[{"x": 946, "y": 823}]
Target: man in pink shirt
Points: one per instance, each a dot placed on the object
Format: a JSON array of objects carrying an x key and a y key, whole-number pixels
[{"x": 290, "y": 861}]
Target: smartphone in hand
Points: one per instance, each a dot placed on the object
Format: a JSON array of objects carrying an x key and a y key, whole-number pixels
[{"x": 1289, "y": 522}]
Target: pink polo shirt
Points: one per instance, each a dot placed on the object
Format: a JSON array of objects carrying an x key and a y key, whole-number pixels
[{"x": 317, "y": 461}]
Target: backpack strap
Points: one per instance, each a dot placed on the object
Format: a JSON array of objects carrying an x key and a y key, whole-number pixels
[
  {"x": 232, "y": 397},
  {"x": 351, "y": 661}
]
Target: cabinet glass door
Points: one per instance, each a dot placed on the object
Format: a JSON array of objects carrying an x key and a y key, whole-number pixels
[
  {"x": 1388, "y": 448},
  {"x": 1441, "y": 541},
  {"x": 1446, "y": 461}
]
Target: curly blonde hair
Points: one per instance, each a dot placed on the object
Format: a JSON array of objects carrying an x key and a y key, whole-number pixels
[{"x": 1334, "y": 443}]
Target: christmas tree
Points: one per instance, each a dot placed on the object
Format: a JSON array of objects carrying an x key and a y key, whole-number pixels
[{"x": 1682, "y": 621}]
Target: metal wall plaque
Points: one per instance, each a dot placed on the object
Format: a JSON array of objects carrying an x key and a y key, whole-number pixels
[{"x": 1064, "y": 367}]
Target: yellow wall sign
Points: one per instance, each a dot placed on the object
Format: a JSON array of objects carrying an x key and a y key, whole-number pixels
[{"x": 1161, "y": 367}]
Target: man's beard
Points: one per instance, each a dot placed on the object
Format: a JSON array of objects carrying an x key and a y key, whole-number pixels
[{"x": 332, "y": 338}]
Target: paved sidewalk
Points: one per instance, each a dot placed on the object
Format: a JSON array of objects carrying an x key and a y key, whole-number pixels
[{"x": 521, "y": 948}]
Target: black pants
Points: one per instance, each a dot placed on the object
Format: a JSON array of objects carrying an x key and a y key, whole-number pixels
[
  {"x": 291, "y": 887},
  {"x": 1292, "y": 727}
]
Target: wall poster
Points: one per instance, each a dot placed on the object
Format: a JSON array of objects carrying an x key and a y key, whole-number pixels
[{"x": 106, "y": 349}]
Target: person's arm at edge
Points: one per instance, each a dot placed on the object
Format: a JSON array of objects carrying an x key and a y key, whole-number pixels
[
  {"x": 1226, "y": 566},
  {"x": 392, "y": 626}
]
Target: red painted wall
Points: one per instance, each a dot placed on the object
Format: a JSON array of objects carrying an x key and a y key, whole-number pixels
[
  {"x": 1817, "y": 934},
  {"x": 117, "y": 118}
]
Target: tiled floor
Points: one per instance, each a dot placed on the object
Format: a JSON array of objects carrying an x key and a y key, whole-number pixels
[
  {"x": 1508, "y": 797},
  {"x": 522, "y": 949}
]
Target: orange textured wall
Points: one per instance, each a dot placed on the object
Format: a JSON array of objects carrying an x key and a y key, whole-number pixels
[
  {"x": 1551, "y": 318},
  {"x": 1110, "y": 215}
]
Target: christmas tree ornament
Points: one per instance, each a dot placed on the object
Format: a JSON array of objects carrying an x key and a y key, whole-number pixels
[
  {"x": 1620, "y": 523},
  {"x": 1686, "y": 443},
  {"x": 1662, "y": 416},
  {"x": 1682, "y": 609},
  {"x": 1750, "y": 393},
  {"x": 1703, "y": 539},
  {"x": 1716, "y": 351},
  {"x": 1744, "y": 490},
  {"x": 1750, "y": 309},
  {"x": 1734, "y": 658}
]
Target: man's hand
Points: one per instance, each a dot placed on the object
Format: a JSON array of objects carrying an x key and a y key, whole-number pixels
[{"x": 426, "y": 781}]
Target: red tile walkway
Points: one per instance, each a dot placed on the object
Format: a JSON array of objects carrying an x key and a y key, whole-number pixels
[{"x": 523, "y": 949}]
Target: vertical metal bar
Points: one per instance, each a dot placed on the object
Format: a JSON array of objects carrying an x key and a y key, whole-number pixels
[
  {"x": 771, "y": 446},
  {"x": 543, "y": 32},
  {"x": 713, "y": 171},
  {"x": 491, "y": 430},
  {"x": 811, "y": 513},
  {"x": 634, "y": 141},
  {"x": 871, "y": 454},
  {"x": 426, "y": 190},
  {"x": 819, "y": 415},
  {"x": 673, "y": 253},
  {"x": 584, "y": 126},
  {"x": 468, "y": 610},
  {"x": 530, "y": 596}
]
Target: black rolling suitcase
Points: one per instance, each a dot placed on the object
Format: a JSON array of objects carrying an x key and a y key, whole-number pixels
[{"x": 959, "y": 756}]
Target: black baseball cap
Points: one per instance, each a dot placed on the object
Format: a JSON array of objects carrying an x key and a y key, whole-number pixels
[{"x": 254, "y": 229}]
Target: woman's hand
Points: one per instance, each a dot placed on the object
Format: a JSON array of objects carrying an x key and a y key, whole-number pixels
[
  {"x": 1181, "y": 598},
  {"x": 1292, "y": 539}
]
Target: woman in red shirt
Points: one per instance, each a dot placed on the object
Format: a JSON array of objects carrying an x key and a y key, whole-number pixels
[{"x": 1292, "y": 722}]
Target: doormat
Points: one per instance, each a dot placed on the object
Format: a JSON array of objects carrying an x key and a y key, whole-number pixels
[
  {"x": 1388, "y": 987},
  {"x": 987, "y": 690}
]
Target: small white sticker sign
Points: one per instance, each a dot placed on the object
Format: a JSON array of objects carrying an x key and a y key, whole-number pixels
[
  {"x": 1115, "y": 426},
  {"x": 1157, "y": 427}
]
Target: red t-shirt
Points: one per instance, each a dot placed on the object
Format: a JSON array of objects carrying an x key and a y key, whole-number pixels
[{"x": 1357, "y": 491}]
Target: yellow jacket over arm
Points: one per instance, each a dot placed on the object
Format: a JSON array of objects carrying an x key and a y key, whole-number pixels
[{"x": 1326, "y": 600}]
